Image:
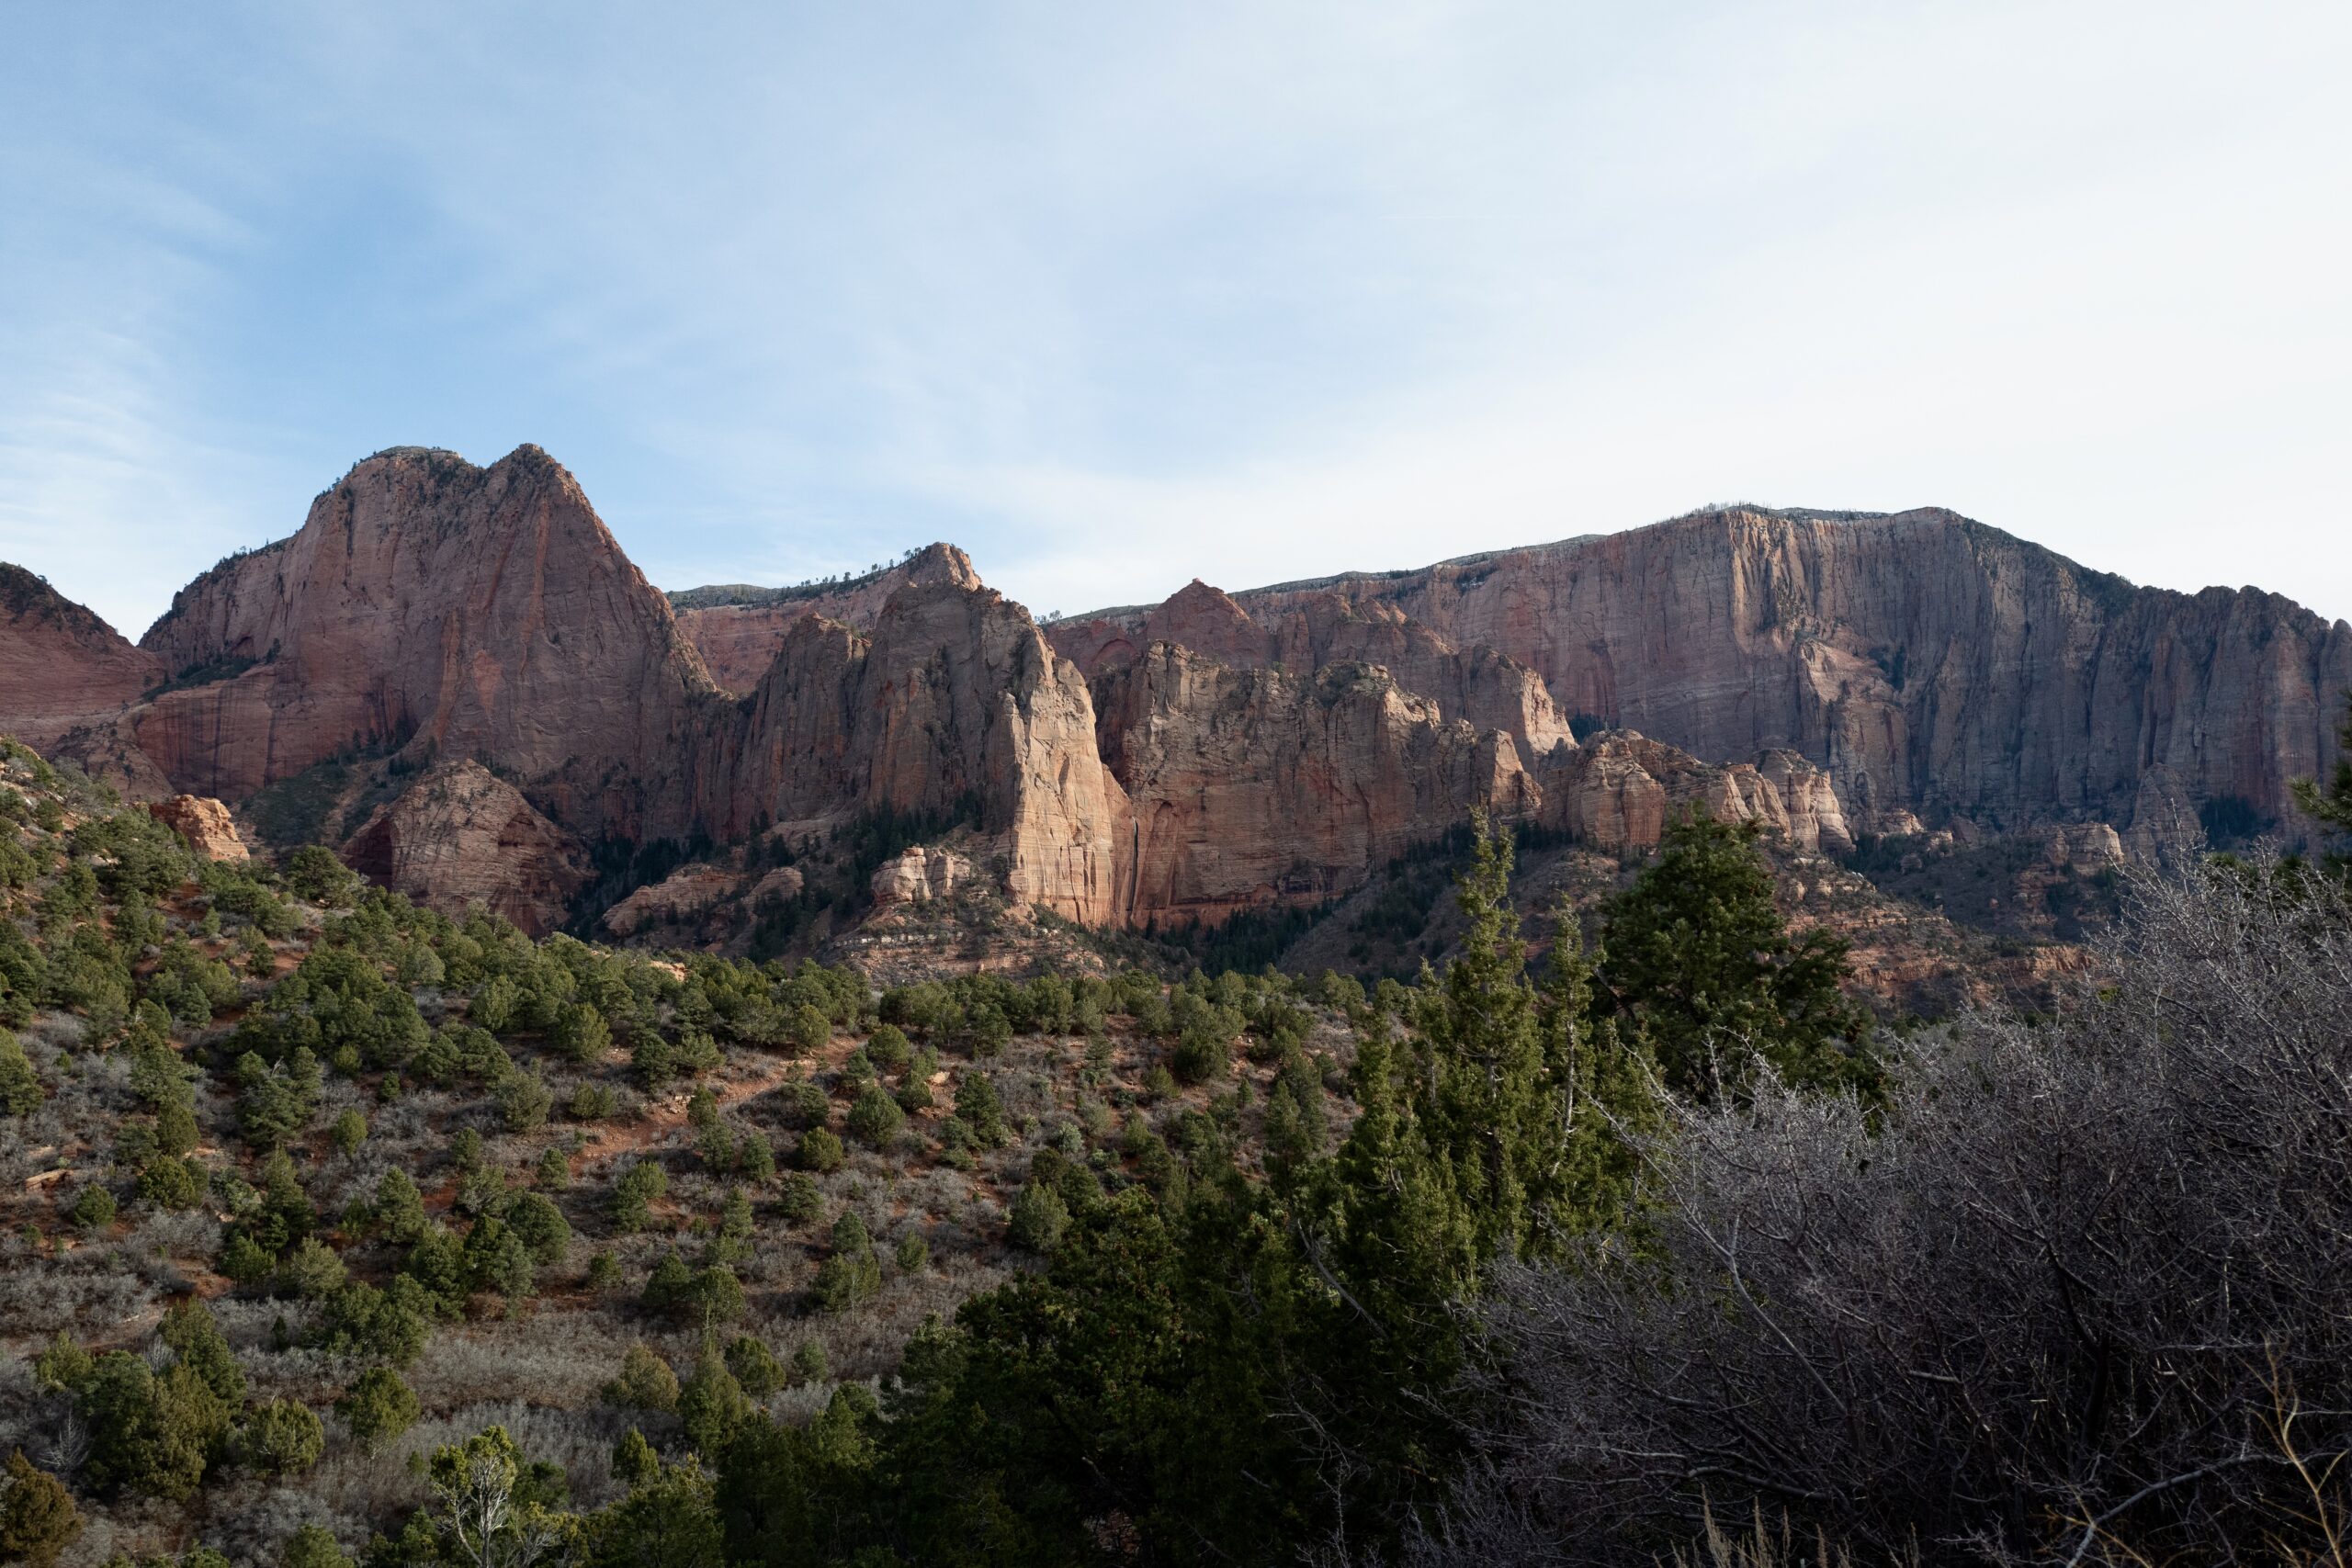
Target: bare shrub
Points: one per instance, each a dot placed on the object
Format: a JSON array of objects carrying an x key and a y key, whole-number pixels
[{"x": 2079, "y": 1297}]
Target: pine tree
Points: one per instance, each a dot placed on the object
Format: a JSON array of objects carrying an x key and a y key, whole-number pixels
[
  {"x": 20, "y": 1090},
  {"x": 378, "y": 1408},
  {"x": 1697, "y": 956},
  {"x": 712, "y": 1404}
]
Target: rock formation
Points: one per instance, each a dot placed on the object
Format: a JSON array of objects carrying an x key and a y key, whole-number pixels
[
  {"x": 62, "y": 667},
  {"x": 739, "y": 629},
  {"x": 1618, "y": 789},
  {"x": 919, "y": 876},
  {"x": 686, "y": 895},
  {"x": 460, "y": 836},
  {"x": 432, "y": 607},
  {"x": 1317, "y": 630},
  {"x": 206, "y": 824},
  {"x": 1828, "y": 674},
  {"x": 1255, "y": 787},
  {"x": 1932, "y": 664},
  {"x": 952, "y": 708}
]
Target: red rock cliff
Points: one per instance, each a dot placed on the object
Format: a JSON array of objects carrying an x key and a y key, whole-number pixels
[
  {"x": 428, "y": 603},
  {"x": 1931, "y": 663},
  {"x": 61, "y": 666}
]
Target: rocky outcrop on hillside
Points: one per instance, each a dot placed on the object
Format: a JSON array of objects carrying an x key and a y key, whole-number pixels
[
  {"x": 1932, "y": 664},
  {"x": 739, "y": 629},
  {"x": 1618, "y": 790},
  {"x": 204, "y": 823},
  {"x": 685, "y": 896},
  {"x": 62, "y": 667},
  {"x": 461, "y": 836},
  {"x": 920, "y": 875},
  {"x": 433, "y": 608},
  {"x": 1830, "y": 675}
]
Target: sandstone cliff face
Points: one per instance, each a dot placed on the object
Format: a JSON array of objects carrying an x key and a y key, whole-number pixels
[
  {"x": 952, "y": 706},
  {"x": 739, "y": 629},
  {"x": 1930, "y": 663},
  {"x": 1315, "y": 630},
  {"x": 460, "y": 835},
  {"x": 430, "y": 604},
  {"x": 1257, "y": 787},
  {"x": 1825, "y": 674},
  {"x": 60, "y": 667}
]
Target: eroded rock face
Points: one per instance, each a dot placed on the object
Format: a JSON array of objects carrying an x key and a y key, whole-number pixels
[
  {"x": 461, "y": 835},
  {"x": 952, "y": 708},
  {"x": 1618, "y": 790},
  {"x": 1313, "y": 631},
  {"x": 1932, "y": 664},
  {"x": 430, "y": 605},
  {"x": 739, "y": 629},
  {"x": 1256, "y": 787},
  {"x": 204, "y": 823},
  {"x": 1825, "y": 674},
  {"x": 62, "y": 667},
  {"x": 920, "y": 875}
]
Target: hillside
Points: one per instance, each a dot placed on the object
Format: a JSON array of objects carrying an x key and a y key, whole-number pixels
[{"x": 364, "y": 1135}]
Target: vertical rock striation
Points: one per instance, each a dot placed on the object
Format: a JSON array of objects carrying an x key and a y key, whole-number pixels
[{"x": 1932, "y": 664}]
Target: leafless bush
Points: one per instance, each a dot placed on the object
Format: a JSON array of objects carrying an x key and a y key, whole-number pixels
[{"x": 2086, "y": 1295}]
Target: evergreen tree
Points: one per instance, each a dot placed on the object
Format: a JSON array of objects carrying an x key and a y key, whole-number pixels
[
  {"x": 1698, "y": 957},
  {"x": 2330, "y": 805},
  {"x": 378, "y": 1408},
  {"x": 314, "y": 1546},
  {"x": 38, "y": 1519},
  {"x": 712, "y": 1405},
  {"x": 20, "y": 1090}
]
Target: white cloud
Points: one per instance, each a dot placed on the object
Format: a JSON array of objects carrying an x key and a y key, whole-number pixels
[{"x": 1119, "y": 297}]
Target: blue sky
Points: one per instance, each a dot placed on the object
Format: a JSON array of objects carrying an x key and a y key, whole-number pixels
[{"x": 1117, "y": 296}]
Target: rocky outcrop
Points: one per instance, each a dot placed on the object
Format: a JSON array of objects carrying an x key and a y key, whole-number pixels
[
  {"x": 919, "y": 876},
  {"x": 1251, "y": 787},
  {"x": 1617, "y": 791},
  {"x": 204, "y": 823},
  {"x": 1932, "y": 664},
  {"x": 62, "y": 667},
  {"x": 739, "y": 629},
  {"x": 1829, "y": 675},
  {"x": 461, "y": 836},
  {"x": 428, "y": 606},
  {"x": 682, "y": 898}
]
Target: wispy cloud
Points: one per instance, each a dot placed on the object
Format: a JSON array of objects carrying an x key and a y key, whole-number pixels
[{"x": 1117, "y": 296}]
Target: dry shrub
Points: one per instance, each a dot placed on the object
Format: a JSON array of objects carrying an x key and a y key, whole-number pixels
[{"x": 2060, "y": 1305}]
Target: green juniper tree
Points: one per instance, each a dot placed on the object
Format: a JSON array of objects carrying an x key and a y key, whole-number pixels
[{"x": 1698, "y": 958}]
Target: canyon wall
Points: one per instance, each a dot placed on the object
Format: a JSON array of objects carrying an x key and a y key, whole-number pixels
[
  {"x": 1251, "y": 786},
  {"x": 1828, "y": 674},
  {"x": 1932, "y": 664}
]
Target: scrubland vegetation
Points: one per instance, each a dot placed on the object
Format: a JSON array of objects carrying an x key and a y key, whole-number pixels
[{"x": 341, "y": 1232}]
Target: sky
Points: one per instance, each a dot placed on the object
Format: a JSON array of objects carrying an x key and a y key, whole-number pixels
[{"x": 1117, "y": 296}]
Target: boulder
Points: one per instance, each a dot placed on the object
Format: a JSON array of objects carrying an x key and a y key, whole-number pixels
[{"x": 204, "y": 823}]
